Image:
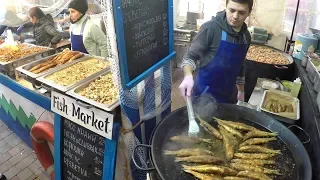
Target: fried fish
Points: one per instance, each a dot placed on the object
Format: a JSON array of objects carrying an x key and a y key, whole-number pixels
[
  {"x": 231, "y": 130},
  {"x": 211, "y": 169},
  {"x": 256, "y": 162},
  {"x": 254, "y": 155},
  {"x": 210, "y": 129},
  {"x": 186, "y": 139},
  {"x": 203, "y": 159},
  {"x": 258, "y": 149},
  {"x": 189, "y": 152},
  {"x": 236, "y": 125},
  {"x": 254, "y": 175},
  {"x": 258, "y": 133},
  {"x": 228, "y": 143},
  {"x": 256, "y": 141},
  {"x": 235, "y": 178},
  {"x": 257, "y": 169},
  {"x": 200, "y": 176}
]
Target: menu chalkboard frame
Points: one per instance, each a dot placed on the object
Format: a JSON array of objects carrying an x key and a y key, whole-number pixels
[
  {"x": 110, "y": 155},
  {"x": 128, "y": 83}
]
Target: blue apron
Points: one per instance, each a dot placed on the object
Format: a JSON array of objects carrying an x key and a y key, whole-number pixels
[
  {"x": 77, "y": 40},
  {"x": 220, "y": 75}
]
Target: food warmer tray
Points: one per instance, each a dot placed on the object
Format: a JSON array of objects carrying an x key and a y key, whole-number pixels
[
  {"x": 43, "y": 80},
  {"x": 24, "y": 70},
  {"x": 73, "y": 93},
  {"x": 297, "y": 103},
  {"x": 9, "y": 67}
]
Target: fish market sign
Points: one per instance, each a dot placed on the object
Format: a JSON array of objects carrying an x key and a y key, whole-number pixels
[{"x": 93, "y": 119}]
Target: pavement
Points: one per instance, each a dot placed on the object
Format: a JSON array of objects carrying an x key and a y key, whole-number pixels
[{"x": 17, "y": 160}]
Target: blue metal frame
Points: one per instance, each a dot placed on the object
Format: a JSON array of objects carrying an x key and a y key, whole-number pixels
[
  {"x": 110, "y": 151},
  {"x": 122, "y": 48}
]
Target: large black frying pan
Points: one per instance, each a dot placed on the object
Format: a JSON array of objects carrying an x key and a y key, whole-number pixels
[{"x": 294, "y": 163}]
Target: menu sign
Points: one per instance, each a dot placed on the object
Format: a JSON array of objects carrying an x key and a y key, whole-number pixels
[
  {"x": 145, "y": 31},
  {"x": 95, "y": 120},
  {"x": 83, "y": 153}
]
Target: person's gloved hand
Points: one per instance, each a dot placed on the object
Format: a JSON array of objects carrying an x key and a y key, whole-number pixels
[
  {"x": 240, "y": 96},
  {"x": 186, "y": 86}
]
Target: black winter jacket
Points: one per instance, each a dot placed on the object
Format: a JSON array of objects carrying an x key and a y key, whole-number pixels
[{"x": 45, "y": 33}]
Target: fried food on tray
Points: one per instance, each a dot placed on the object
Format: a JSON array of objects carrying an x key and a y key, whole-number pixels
[
  {"x": 61, "y": 58},
  {"x": 277, "y": 106},
  {"x": 267, "y": 55},
  {"x": 101, "y": 90},
  {"x": 22, "y": 50},
  {"x": 77, "y": 72}
]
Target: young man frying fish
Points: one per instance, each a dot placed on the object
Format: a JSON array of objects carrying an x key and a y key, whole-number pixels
[{"x": 221, "y": 46}]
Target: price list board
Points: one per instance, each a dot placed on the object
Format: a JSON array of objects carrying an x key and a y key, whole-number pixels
[
  {"x": 83, "y": 152},
  {"x": 144, "y": 33}
]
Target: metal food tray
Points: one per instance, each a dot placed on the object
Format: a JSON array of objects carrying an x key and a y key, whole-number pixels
[
  {"x": 28, "y": 56},
  {"x": 25, "y": 68},
  {"x": 293, "y": 99},
  {"x": 8, "y": 68},
  {"x": 43, "y": 80},
  {"x": 74, "y": 93}
]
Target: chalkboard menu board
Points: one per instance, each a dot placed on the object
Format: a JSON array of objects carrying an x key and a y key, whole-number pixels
[
  {"x": 82, "y": 152},
  {"x": 144, "y": 29}
]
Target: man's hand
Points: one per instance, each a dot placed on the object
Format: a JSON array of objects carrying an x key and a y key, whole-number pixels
[{"x": 186, "y": 86}]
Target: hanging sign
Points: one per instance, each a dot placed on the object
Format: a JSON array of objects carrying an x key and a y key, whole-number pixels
[{"x": 97, "y": 121}]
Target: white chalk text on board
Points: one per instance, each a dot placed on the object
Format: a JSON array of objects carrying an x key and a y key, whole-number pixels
[{"x": 93, "y": 119}]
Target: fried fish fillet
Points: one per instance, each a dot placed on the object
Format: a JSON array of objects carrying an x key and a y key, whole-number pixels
[
  {"x": 254, "y": 155},
  {"x": 256, "y": 162},
  {"x": 211, "y": 169},
  {"x": 210, "y": 129},
  {"x": 256, "y": 141},
  {"x": 202, "y": 159},
  {"x": 228, "y": 143},
  {"x": 200, "y": 176},
  {"x": 254, "y": 175},
  {"x": 189, "y": 152},
  {"x": 186, "y": 139},
  {"x": 258, "y": 133},
  {"x": 258, "y": 169},
  {"x": 236, "y": 125},
  {"x": 258, "y": 149}
]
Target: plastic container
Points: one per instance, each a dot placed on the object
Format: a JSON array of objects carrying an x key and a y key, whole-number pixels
[
  {"x": 304, "y": 43},
  {"x": 278, "y": 95},
  {"x": 296, "y": 86}
]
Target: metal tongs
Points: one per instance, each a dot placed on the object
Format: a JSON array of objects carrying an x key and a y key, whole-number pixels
[{"x": 193, "y": 125}]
